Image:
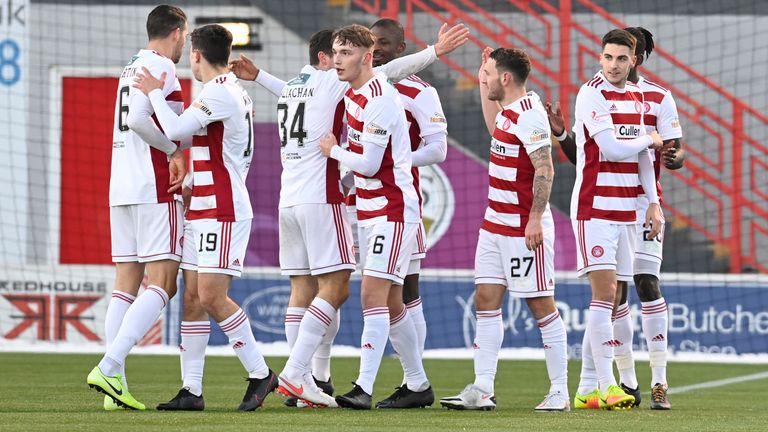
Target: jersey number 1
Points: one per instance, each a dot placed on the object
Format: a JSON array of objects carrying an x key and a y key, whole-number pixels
[{"x": 297, "y": 124}]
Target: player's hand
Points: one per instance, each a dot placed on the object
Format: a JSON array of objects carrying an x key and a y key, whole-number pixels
[
  {"x": 534, "y": 234},
  {"x": 654, "y": 219},
  {"x": 450, "y": 39},
  {"x": 145, "y": 82},
  {"x": 327, "y": 142},
  {"x": 177, "y": 167},
  {"x": 674, "y": 157},
  {"x": 243, "y": 68},
  {"x": 186, "y": 198},
  {"x": 556, "y": 120},
  {"x": 485, "y": 56},
  {"x": 656, "y": 141}
]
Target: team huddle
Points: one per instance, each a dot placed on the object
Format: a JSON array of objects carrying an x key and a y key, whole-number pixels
[{"x": 352, "y": 201}]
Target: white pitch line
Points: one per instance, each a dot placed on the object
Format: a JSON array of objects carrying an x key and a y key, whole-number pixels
[{"x": 719, "y": 383}]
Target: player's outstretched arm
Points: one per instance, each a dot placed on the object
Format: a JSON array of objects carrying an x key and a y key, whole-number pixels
[
  {"x": 434, "y": 150},
  {"x": 246, "y": 70},
  {"x": 559, "y": 130},
  {"x": 139, "y": 120},
  {"x": 176, "y": 127},
  {"x": 490, "y": 108},
  {"x": 544, "y": 174},
  {"x": 447, "y": 41},
  {"x": 615, "y": 150}
]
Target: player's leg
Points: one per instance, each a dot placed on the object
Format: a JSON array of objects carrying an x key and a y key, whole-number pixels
[
  {"x": 411, "y": 295},
  {"x": 623, "y": 333},
  {"x": 537, "y": 285},
  {"x": 417, "y": 391},
  {"x": 129, "y": 273},
  {"x": 220, "y": 258},
  {"x": 158, "y": 236},
  {"x": 387, "y": 247},
  {"x": 598, "y": 243},
  {"x": 490, "y": 288},
  {"x": 655, "y": 320}
]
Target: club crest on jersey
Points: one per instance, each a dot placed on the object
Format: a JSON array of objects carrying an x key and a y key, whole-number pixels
[
  {"x": 597, "y": 251},
  {"x": 639, "y": 107},
  {"x": 539, "y": 135},
  {"x": 200, "y": 104},
  {"x": 507, "y": 124},
  {"x": 437, "y": 118},
  {"x": 647, "y": 107},
  {"x": 375, "y": 129}
]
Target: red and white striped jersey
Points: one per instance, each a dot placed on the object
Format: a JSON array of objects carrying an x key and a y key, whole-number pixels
[
  {"x": 375, "y": 117},
  {"x": 661, "y": 116},
  {"x": 139, "y": 172},
  {"x": 311, "y": 104},
  {"x": 221, "y": 151},
  {"x": 606, "y": 190},
  {"x": 521, "y": 128},
  {"x": 424, "y": 114}
]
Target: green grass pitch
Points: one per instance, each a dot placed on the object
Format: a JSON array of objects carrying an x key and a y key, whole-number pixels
[{"x": 48, "y": 392}]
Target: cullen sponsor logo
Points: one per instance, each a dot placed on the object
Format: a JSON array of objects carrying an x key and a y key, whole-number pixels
[
  {"x": 627, "y": 131},
  {"x": 266, "y": 308}
]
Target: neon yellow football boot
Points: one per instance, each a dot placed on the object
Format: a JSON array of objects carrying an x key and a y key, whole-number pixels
[{"x": 113, "y": 387}]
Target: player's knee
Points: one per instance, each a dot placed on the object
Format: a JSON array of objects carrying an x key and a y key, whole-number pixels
[
  {"x": 411, "y": 288},
  {"x": 648, "y": 287},
  {"x": 622, "y": 292},
  {"x": 488, "y": 299}
]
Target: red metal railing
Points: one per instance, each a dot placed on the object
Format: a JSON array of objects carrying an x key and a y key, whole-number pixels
[{"x": 729, "y": 197}]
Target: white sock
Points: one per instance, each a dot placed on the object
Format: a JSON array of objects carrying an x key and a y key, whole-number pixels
[
  {"x": 313, "y": 326},
  {"x": 139, "y": 318},
  {"x": 588, "y": 377},
  {"x": 293, "y": 316},
  {"x": 601, "y": 339},
  {"x": 194, "y": 340},
  {"x": 416, "y": 311},
  {"x": 555, "y": 343},
  {"x": 372, "y": 342},
  {"x": 321, "y": 362},
  {"x": 623, "y": 332},
  {"x": 489, "y": 334},
  {"x": 237, "y": 327},
  {"x": 655, "y": 326},
  {"x": 404, "y": 338},
  {"x": 118, "y": 305}
]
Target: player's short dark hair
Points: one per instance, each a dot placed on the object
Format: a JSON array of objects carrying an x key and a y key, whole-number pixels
[
  {"x": 620, "y": 37},
  {"x": 644, "y": 40},
  {"x": 163, "y": 20},
  {"x": 214, "y": 43},
  {"x": 355, "y": 35},
  {"x": 394, "y": 26},
  {"x": 320, "y": 42},
  {"x": 513, "y": 60}
]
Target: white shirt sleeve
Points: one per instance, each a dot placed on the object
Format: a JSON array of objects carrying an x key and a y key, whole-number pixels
[
  {"x": 647, "y": 176},
  {"x": 270, "y": 82},
  {"x": 667, "y": 121},
  {"x": 213, "y": 104},
  {"x": 593, "y": 110},
  {"x": 617, "y": 150},
  {"x": 433, "y": 128},
  {"x": 366, "y": 164},
  {"x": 534, "y": 130},
  {"x": 140, "y": 110},
  {"x": 402, "y": 67}
]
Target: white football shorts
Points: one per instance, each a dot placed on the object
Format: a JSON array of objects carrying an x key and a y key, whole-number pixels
[
  {"x": 146, "y": 232},
  {"x": 315, "y": 239},
  {"x": 386, "y": 249},
  {"x": 221, "y": 246},
  {"x": 603, "y": 245}
]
